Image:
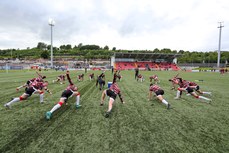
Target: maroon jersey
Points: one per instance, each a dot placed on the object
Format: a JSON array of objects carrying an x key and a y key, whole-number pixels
[
  {"x": 91, "y": 75},
  {"x": 139, "y": 76},
  {"x": 184, "y": 84},
  {"x": 39, "y": 85},
  {"x": 154, "y": 77},
  {"x": 154, "y": 88},
  {"x": 192, "y": 84},
  {"x": 62, "y": 77},
  {"x": 114, "y": 87}
]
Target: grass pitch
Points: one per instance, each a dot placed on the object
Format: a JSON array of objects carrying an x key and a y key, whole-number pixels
[{"x": 136, "y": 126}]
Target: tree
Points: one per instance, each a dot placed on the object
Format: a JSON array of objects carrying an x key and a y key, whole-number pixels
[
  {"x": 114, "y": 48},
  {"x": 68, "y": 47},
  {"x": 41, "y": 46},
  {"x": 45, "y": 54},
  {"x": 106, "y": 48}
]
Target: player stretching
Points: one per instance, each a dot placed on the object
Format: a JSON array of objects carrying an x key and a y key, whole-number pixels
[
  {"x": 29, "y": 82},
  {"x": 91, "y": 76},
  {"x": 112, "y": 92},
  {"x": 70, "y": 91},
  {"x": 80, "y": 77},
  {"x": 117, "y": 75},
  {"x": 159, "y": 92},
  {"x": 184, "y": 86},
  {"x": 35, "y": 87},
  {"x": 196, "y": 87},
  {"x": 60, "y": 78},
  {"x": 155, "y": 78},
  {"x": 140, "y": 77},
  {"x": 100, "y": 81}
]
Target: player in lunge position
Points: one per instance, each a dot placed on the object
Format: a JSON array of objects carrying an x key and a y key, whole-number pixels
[
  {"x": 140, "y": 77},
  {"x": 91, "y": 76},
  {"x": 80, "y": 77},
  {"x": 60, "y": 78},
  {"x": 70, "y": 91},
  {"x": 159, "y": 92},
  {"x": 112, "y": 92},
  {"x": 29, "y": 82},
  {"x": 184, "y": 86},
  {"x": 34, "y": 87},
  {"x": 100, "y": 81},
  {"x": 196, "y": 87},
  {"x": 155, "y": 79}
]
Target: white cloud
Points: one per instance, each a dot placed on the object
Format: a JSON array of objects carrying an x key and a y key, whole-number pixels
[{"x": 130, "y": 24}]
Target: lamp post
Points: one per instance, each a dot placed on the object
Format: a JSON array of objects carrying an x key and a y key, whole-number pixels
[
  {"x": 51, "y": 23},
  {"x": 220, "y": 29}
]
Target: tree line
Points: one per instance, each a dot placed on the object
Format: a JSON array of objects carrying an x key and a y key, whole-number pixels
[{"x": 81, "y": 51}]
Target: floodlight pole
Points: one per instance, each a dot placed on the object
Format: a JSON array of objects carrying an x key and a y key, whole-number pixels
[
  {"x": 220, "y": 30},
  {"x": 51, "y": 23}
]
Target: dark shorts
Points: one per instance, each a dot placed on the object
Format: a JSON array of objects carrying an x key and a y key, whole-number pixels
[
  {"x": 159, "y": 92},
  {"x": 197, "y": 88},
  {"x": 111, "y": 94},
  {"x": 189, "y": 90},
  {"x": 29, "y": 91},
  {"x": 66, "y": 94}
]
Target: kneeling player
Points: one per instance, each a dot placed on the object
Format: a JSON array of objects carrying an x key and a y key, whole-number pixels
[{"x": 140, "y": 77}]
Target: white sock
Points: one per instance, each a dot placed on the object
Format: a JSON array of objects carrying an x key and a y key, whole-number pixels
[
  {"x": 78, "y": 100},
  {"x": 202, "y": 97},
  {"x": 208, "y": 93},
  {"x": 13, "y": 101},
  {"x": 165, "y": 102},
  {"x": 41, "y": 98},
  {"x": 178, "y": 94},
  {"x": 55, "y": 108}
]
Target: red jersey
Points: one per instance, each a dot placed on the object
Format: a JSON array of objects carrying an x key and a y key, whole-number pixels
[
  {"x": 72, "y": 87},
  {"x": 114, "y": 87},
  {"x": 192, "y": 84},
  {"x": 154, "y": 88},
  {"x": 184, "y": 84},
  {"x": 154, "y": 77},
  {"x": 139, "y": 76}
]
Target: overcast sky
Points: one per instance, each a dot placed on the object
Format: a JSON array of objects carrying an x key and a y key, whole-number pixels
[{"x": 125, "y": 24}]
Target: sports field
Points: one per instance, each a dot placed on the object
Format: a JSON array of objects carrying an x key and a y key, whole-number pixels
[{"x": 139, "y": 126}]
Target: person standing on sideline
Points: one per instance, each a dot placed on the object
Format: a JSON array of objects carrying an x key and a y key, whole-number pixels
[
  {"x": 159, "y": 92},
  {"x": 112, "y": 92},
  {"x": 70, "y": 91}
]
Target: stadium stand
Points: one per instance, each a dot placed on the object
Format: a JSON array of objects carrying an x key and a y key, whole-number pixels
[{"x": 145, "y": 61}]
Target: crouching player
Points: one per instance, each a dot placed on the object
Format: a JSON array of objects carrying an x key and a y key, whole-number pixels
[
  {"x": 159, "y": 92},
  {"x": 35, "y": 87},
  {"x": 140, "y": 77},
  {"x": 155, "y": 78},
  {"x": 91, "y": 76},
  {"x": 80, "y": 77},
  {"x": 112, "y": 92},
  {"x": 70, "y": 91},
  {"x": 60, "y": 78}
]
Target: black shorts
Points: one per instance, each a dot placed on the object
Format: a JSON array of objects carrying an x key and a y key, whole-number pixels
[
  {"x": 66, "y": 94},
  {"x": 189, "y": 90},
  {"x": 159, "y": 92},
  {"x": 111, "y": 94},
  {"x": 29, "y": 91},
  {"x": 197, "y": 88}
]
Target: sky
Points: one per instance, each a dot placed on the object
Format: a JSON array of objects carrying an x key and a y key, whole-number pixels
[{"x": 189, "y": 25}]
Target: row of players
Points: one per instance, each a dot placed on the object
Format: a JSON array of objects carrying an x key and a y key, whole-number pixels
[{"x": 38, "y": 85}]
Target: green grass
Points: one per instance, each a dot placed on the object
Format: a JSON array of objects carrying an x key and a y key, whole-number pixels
[{"x": 136, "y": 126}]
